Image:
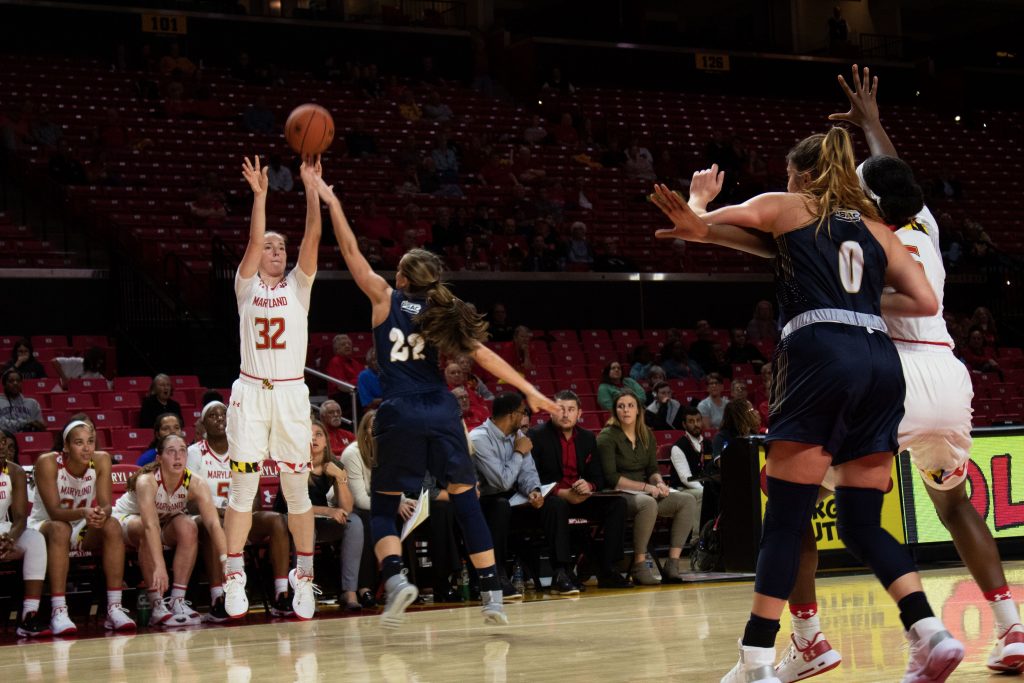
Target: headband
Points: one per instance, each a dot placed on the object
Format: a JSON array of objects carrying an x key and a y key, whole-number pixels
[
  {"x": 864, "y": 185},
  {"x": 208, "y": 407},
  {"x": 74, "y": 425}
]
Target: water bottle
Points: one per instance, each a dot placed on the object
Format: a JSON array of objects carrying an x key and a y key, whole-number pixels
[
  {"x": 142, "y": 607},
  {"x": 464, "y": 582},
  {"x": 517, "y": 579}
]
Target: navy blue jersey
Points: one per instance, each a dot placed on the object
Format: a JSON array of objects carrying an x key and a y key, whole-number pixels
[
  {"x": 408, "y": 364},
  {"x": 841, "y": 265}
]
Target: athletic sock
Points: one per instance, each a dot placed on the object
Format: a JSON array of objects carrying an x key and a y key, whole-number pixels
[
  {"x": 391, "y": 565},
  {"x": 760, "y": 632},
  {"x": 154, "y": 596},
  {"x": 304, "y": 564},
  {"x": 489, "y": 580},
  {"x": 1003, "y": 608},
  {"x": 113, "y": 597},
  {"x": 235, "y": 563},
  {"x": 280, "y": 585},
  {"x": 805, "y": 620},
  {"x": 29, "y": 605},
  {"x": 57, "y": 602},
  {"x": 178, "y": 591},
  {"x": 216, "y": 592},
  {"x": 913, "y": 608}
]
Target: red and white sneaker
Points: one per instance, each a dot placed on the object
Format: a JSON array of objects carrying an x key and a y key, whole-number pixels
[
  {"x": 305, "y": 592},
  {"x": 117, "y": 619},
  {"x": 934, "y": 652},
  {"x": 61, "y": 624},
  {"x": 1008, "y": 653},
  {"x": 815, "y": 658}
]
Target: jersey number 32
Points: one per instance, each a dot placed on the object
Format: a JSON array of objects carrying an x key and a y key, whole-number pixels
[
  {"x": 268, "y": 333},
  {"x": 406, "y": 348}
]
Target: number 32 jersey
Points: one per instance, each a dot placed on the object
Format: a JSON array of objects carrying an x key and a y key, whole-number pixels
[
  {"x": 273, "y": 325},
  {"x": 407, "y": 363}
]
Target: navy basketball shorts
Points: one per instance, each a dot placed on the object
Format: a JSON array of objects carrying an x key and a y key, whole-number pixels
[
  {"x": 420, "y": 433},
  {"x": 840, "y": 387}
]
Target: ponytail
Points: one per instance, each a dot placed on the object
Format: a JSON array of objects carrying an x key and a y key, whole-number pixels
[{"x": 145, "y": 469}]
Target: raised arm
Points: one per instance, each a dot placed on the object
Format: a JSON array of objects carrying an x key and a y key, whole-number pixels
[
  {"x": 310, "y": 247},
  {"x": 496, "y": 365},
  {"x": 704, "y": 187},
  {"x": 759, "y": 214},
  {"x": 864, "y": 111},
  {"x": 257, "y": 179}
]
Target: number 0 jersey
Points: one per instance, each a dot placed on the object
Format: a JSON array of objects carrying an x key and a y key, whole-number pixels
[
  {"x": 840, "y": 266},
  {"x": 407, "y": 363},
  {"x": 273, "y": 325}
]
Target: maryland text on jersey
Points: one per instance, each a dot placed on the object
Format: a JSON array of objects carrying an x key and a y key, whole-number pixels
[{"x": 264, "y": 302}]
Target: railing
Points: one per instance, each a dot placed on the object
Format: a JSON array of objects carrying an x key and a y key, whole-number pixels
[
  {"x": 434, "y": 13},
  {"x": 346, "y": 388},
  {"x": 882, "y": 46}
]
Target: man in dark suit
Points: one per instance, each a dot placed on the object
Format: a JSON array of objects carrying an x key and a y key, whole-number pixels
[
  {"x": 691, "y": 456},
  {"x": 566, "y": 453}
]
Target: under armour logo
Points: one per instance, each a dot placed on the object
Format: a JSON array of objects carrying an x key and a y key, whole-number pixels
[
  {"x": 1002, "y": 596},
  {"x": 805, "y": 613}
]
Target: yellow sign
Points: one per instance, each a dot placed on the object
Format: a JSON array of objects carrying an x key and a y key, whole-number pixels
[
  {"x": 712, "y": 62},
  {"x": 824, "y": 519},
  {"x": 165, "y": 23}
]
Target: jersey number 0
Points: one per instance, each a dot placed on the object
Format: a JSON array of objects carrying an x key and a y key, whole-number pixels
[{"x": 851, "y": 266}]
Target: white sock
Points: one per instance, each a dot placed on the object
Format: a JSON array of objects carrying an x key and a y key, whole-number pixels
[
  {"x": 280, "y": 586},
  {"x": 154, "y": 597},
  {"x": 30, "y": 605},
  {"x": 806, "y": 629},
  {"x": 1006, "y": 614},
  {"x": 216, "y": 592},
  {"x": 235, "y": 564},
  {"x": 178, "y": 591},
  {"x": 57, "y": 602},
  {"x": 113, "y": 598},
  {"x": 304, "y": 564}
]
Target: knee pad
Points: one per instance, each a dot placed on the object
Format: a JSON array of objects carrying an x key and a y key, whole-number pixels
[
  {"x": 383, "y": 510},
  {"x": 785, "y": 518},
  {"x": 33, "y": 545},
  {"x": 295, "y": 488},
  {"x": 242, "y": 493},
  {"x": 859, "y": 523},
  {"x": 475, "y": 532}
]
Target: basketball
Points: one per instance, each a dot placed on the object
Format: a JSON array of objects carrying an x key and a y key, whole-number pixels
[{"x": 309, "y": 129}]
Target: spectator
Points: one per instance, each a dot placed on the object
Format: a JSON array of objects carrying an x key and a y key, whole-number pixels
[
  {"x": 90, "y": 365},
  {"x": 559, "y": 84},
  {"x": 739, "y": 420},
  {"x": 259, "y": 118},
  {"x": 343, "y": 364},
  {"x": 982, "y": 319},
  {"x": 838, "y": 30},
  {"x": 566, "y": 454},
  {"x": 428, "y": 73},
  {"x": 473, "y": 383},
  {"x": 613, "y": 385},
  {"x": 565, "y": 133},
  {"x": 742, "y": 351},
  {"x": 163, "y": 425},
  {"x": 446, "y": 164},
  {"x": 762, "y": 326},
  {"x": 628, "y": 453},
  {"x": 506, "y": 467},
  {"x": 393, "y": 255},
  {"x": 44, "y": 131},
  {"x": 655, "y": 376},
  {"x": 372, "y": 84},
  {"x": 368, "y": 382},
  {"x": 24, "y": 361},
  {"x": 613, "y": 156},
  {"x": 359, "y": 459},
  {"x": 639, "y": 162},
  {"x": 578, "y": 250},
  {"x": 701, "y": 350},
  {"x": 977, "y": 356},
  {"x": 664, "y": 412},
  {"x": 328, "y": 481},
  {"x": 360, "y": 143},
  {"x": 535, "y": 133},
  {"x": 158, "y": 401},
  {"x": 607, "y": 258},
  {"x": 738, "y": 390},
  {"x": 718, "y": 363},
  {"x": 279, "y": 176},
  {"x": 691, "y": 453},
  {"x": 18, "y": 413},
  {"x": 407, "y": 107},
  {"x": 210, "y": 202},
  {"x": 338, "y": 437},
  {"x": 541, "y": 257},
  {"x": 641, "y": 363},
  {"x": 411, "y": 221},
  {"x": 472, "y": 415},
  {"x": 524, "y": 169},
  {"x": 676, "y": 363},
  {"x": 520, "y": 353},
  {"x": 375, "y": 225},
  {"x": 435, "y": 109},
  {"x": 712, "y": 408},
  {"x": 499, "y": 326},
  {"x": 766, "y": 394},
  {"x": 175, "y": 61}
]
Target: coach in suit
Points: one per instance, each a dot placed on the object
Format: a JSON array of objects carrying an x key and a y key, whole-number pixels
[
  {"x": 691, "y": 456},
  {"x": 566, "y": 453}
]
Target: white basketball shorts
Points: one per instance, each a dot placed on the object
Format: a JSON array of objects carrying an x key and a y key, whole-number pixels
[{"x": 270, "y": 420}]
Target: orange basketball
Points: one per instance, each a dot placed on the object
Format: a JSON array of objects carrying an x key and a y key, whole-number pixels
[{"x": 309, "y": 129}]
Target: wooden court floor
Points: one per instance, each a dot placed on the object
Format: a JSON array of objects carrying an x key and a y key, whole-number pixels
[{"x": 679, "y": 633}]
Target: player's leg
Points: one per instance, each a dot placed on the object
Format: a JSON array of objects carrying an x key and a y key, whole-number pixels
[
  {"x": 31, "y": 547},
  {"x": 273, "y": 527},
  {"x": 58, "y": 560},
  {"x": 109, "y": 539},
  {"x": 182, "y": 534},
  {"x": 214, "y": 569}
]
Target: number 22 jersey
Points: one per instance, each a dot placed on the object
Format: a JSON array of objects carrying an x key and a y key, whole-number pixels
[
  {"x": 408, "y": 364},
  {"x": 273, "y": 325}
]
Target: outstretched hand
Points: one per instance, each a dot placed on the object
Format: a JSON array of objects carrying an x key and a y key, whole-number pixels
[
  {"x": 863, "y": 103},
  {"x": 310, "y": 170},
  {"x": 538, "y": 401},
  {"x": 705, "y": 186},
  {"x": 256, "y": 176},
  {"x": 687, "y": 224}
]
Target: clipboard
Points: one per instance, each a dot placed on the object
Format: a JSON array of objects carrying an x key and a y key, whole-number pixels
[{"x": 419, "y": 514}]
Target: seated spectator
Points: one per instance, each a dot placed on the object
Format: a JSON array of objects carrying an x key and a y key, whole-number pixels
[
  {"x": 446, "y": 163},
  {"x": 676, "y": 363},
  {"x": 409, "y": 240},
  {"x": 472, "y": 416},
  {"x": 359, "y": 142},
  {"x": 763, "y": 327},
  {"x": 519, "y": 356},
  {"x": 15, "y": 129},
  {"x": 613, "y": 156},
  {"x": 739, "y": 420},
  {"x": 279, "y": 177},
  {"x": 44, "y": 131},
  {"x": 613, "y": 385},
  {"x": 333, "y": 503},
  {"x": 175, "y": 61},
  {"x": 566, "y": 453},
  {"x": 718, "y": 363},
  {"x": 368, "y": 382},
  {"x": 628, "y": 453},
  {"x": 557, "y": 83},
  {"x": 18, "y": 413},
  {"x": 473, "y": 383},
  {"x": 642, "y": 362},
  {"x": 565, "y": 133},
  {"x": 372, "y": 251},
  {"x": 535, "y": 133},
  {"x": 411, "y": 220},
  {"x": 259, "y": 118},
  {"x": 742, "y": 351},
  {"x": 24, "y": 361},
  {"x": 343, "y": 365},
  {"x": 210, "y": 203},
  {"x": 371, "y": 84},
  {"x": 165, "y": 424},
  {"x": 435, "y": 109},
  {"x": 541, "y": 257},
  {"x": 639, "y": 162},
  {"x": 607, "y": 258},
  {"x": 691, "y": 457},
  {"x": 712, "y": 408},
  {"x": 375, "y": 225},
  {"x": 664, "y": 412},
  {"x": 524, "y": 169},
  {"x": 338, "y": 437},
  {"x": 506, "y": 467},
  {"x": 91, "y": 365},
  {"x": 578, "y": 249},
  {"x": 499, "y": 326},
  {"x": 982, "y": 320},
  {"x": 701, "y": 350},
  {"x": 359, "y": 460},
  {"x": 407, "y": 107},
  {"x": 977, "y": 356},
  {"x": 158, "y": 401},
  {"x": 655, "y": 376},
  {"x": 455, "y": 376},
  {"x": 738, "y": 390}
]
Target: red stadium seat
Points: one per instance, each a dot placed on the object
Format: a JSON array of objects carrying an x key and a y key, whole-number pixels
[
  {"x": 669, "y": 436},
  {"x": 184, "y": 382},
  {"x": 109, "y": 418},
  {"x": 33, "y": 444},
  {"x": 82, "y": 342},
  {"x": 41, "y": 385},
  {"x": 46, "y": 341},
  {"x": 55, "y": 419},
  {"x": 116, "y": 400},
  {"x": 132, "y": 383},
  {"x": 129, "y": 438},
  {"x": 81, "y": 386},
  {"x": 72, "y": 402}
]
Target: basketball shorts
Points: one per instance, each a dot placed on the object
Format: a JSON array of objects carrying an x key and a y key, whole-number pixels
[
  {"x": 937, "y": 426},
  {"x": 420, "y": 433},
  {"x": 838, "y": 386},
  {"x": 78, "y": 530},
  {"x": 264, "y": 422},
  {"x": 125, "y": 519}
]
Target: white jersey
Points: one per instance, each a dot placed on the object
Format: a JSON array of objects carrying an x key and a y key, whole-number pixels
[
  {"x": 274, "y": 325},
  {"x": 6, "y": 493},
  {"x": 214, "y": 467},
  {"x": 73, "y": 492},
  {"x": 921, "y": 238},
  {"x": 168, "y": 503}
]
